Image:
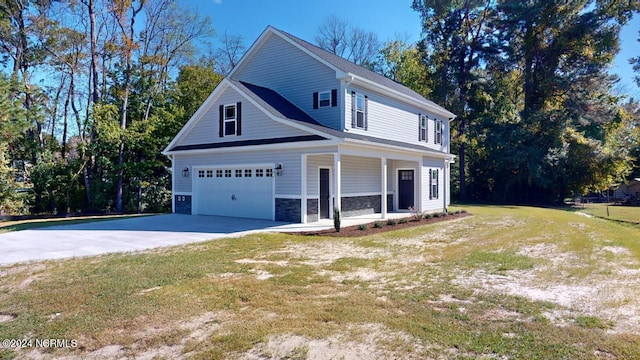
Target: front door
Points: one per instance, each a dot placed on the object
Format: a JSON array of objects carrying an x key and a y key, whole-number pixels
[
  {"x": 324, "y": 194},
  {"x": 405, "y": 189}
]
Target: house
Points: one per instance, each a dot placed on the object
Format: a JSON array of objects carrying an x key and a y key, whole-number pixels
[
  {"x": 295, "y": 131},
  {"x": 628, "y": 192}
]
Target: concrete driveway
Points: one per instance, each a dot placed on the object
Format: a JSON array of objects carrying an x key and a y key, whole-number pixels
[{"x": 130, "y": 234}]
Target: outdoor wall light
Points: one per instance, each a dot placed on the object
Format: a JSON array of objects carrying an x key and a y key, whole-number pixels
[
  {"x": 279, "y": 170},
  {"x": 185, "y": 172}
]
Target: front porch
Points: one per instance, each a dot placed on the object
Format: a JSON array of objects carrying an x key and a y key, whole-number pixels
[{"x": 376, "y": 185}]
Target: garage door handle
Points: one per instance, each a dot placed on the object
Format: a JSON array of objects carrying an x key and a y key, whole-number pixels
[{"x": 233, "y": 196}]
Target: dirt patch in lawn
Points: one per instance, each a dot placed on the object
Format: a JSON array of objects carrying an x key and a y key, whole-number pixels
[{"x": 385, "y": 225}]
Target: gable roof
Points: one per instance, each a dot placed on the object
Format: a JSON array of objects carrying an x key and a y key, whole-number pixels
[{"x": 348, "y": 69}]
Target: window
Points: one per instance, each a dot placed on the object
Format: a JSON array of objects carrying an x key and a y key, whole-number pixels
[
  {"x": 269, "y": 172},
  {"x": 229, "y": 120},
  {"x": 406, "y": 175},
  {"x": 209, "y": 173},
  {"x": 238, "y": 173},
  {"x": 200, "y": 173},
  {"x": 438, "y": 130},
  {"x": 218, "y": 173},
  {"x": 423, "y": 127},
  {"x": 227, "y": 173},
  {"x": 324, "y": 99},
  {"x": 360, "y": 111},
  {"x": 247, "y": 172},
  {"x": 259, "y": 173},
  {"x": 433, "y": 184}
]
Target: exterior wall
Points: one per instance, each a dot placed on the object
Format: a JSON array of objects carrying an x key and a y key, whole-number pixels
[
  {"x": 255, "y": 124},
  {"x": 313, "y": 163},
  {"x": 393, "y": 120},
  {"x": 360, "y": 175},
  {"x": 360, "y": 205},
  {"x": 288, "y": 210},
  {"x": 312, "y": 210},
  {"x": 392, "y": 168},
  {"x": 431, "y": 205},
  {"x": 287, "y": 184},
  {"x": 280, "y": 66}
]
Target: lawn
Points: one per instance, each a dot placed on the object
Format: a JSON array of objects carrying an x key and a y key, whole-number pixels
[
  {"x": 507, "y": 282},
  {"x": 629, "y": 214}
]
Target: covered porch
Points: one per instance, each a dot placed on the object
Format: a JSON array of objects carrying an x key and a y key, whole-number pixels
[{"x": 375, "y": 184}]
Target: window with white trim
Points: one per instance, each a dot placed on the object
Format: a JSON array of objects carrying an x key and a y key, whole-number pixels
[
  {"x": 324, "y": 99},
  {"x": 360, "y": 111},
  {"x": 227, "y": 173},
  {"x": 218, "y": 173},
  {"x": 209, "y": 173},
  {"x": 247, "y": 172},
  {"x": 423, "y": 127},
  {"x": 238, "y": 172},
  {"x": 259, "y": 172},
  {"x": 438, "y": 130},
  {"x": 200, "y": 173},
  {"x": 433, "y": 183},
  {"x": 230, "y": 117},
  {"x": 269, "y": 172}
]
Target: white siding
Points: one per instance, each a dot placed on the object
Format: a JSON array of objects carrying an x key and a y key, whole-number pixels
[
  {"x": 393, "y": 120},
  {"x": 432, "y": 205},
  {"x": 295, "y": 75},
  {"x": 313, "y": 163},
  {"x": 255, "y": 124},
  {"x": 360, "y": 175}
]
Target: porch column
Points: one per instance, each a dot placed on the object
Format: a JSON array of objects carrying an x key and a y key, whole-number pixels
[
  {"x": 383, "y": 200},
  {"x": 303, "y": 189},
  {"x": 337, "y": 189}
]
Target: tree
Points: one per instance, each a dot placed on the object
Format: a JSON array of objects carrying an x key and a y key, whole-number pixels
[
  {"x": 229, "y": 54},
  {"x": 403, "y": 63},
  {"x": 350, "y": 42},
  {"x": 457, "y": 36}
]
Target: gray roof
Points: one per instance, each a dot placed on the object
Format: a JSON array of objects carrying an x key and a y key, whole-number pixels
[{"x": 349, "y": 67}]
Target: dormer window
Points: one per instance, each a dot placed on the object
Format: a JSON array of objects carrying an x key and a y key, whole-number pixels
[
  {"x": 359, "y": 111},
  {"x": 324, "y": 99}
]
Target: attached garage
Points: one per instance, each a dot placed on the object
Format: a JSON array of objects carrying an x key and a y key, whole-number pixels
[{"x": 237, "y": 191}]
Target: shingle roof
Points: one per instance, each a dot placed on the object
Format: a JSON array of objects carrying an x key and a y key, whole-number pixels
[
  {"x": 274, "y": 102},
  {"x": 349, "y": 67}
]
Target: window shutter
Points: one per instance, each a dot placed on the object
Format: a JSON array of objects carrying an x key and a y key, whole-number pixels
[
  {"x": 437, "y": 184},
  {"x": 221, "y": 121},
  {"x": 430, "y": 184},
  {"x": 334, "y": 97},
  {"x": 353, "y": 109},
  {"x": 315, "y": 100},
  {"x": 366, "y": 113},
  {"x": 420, "y": 127},
  {"x": 435, "y": 131},
  {"x": 239, "y": 118}
]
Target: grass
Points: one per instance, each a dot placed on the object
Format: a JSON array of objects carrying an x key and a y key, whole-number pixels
[
  {"x": 629, "y": 214},
  {"x": 9, "y": 226},
  {"x": 418, "y": 282}
]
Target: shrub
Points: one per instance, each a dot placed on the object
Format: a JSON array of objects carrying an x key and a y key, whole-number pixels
[
  {"x": 378, "y": 225},
  {"x": 404, "y": 221},
  {"x": 336, "y": 219},
  {"x": 392, "y": 222},
  {"x": 428, "y": 216},
  {"x": 362, "y": 227},
  {"x": 436, "y": 215},
  {"x": 463, "y": 211}
]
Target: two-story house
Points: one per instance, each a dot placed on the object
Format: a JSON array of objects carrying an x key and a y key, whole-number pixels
[{"x": 295, "y": 131}]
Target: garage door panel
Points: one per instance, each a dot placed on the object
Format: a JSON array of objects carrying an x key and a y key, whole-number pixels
[{"x": 234, "y": 191}]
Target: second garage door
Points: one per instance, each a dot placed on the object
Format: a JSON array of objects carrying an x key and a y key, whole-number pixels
[{"x": 234, "y": 191}]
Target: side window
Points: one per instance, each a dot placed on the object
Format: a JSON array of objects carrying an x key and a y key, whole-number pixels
[
  {"x": 422, "y": 127},
  {"x": 438, "y": 132},
  {"x": 433, "y": 183},
  {"x": 324, "y": 99}
]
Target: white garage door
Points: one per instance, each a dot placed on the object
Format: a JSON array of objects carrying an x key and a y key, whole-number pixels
[{"x": 234, "y": 191}]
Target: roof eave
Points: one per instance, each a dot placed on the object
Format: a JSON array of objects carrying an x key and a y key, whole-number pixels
[{"x": 349, "y": 78}]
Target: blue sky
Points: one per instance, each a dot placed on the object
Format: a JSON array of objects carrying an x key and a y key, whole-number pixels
[{"x": 387, "y": 18}]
